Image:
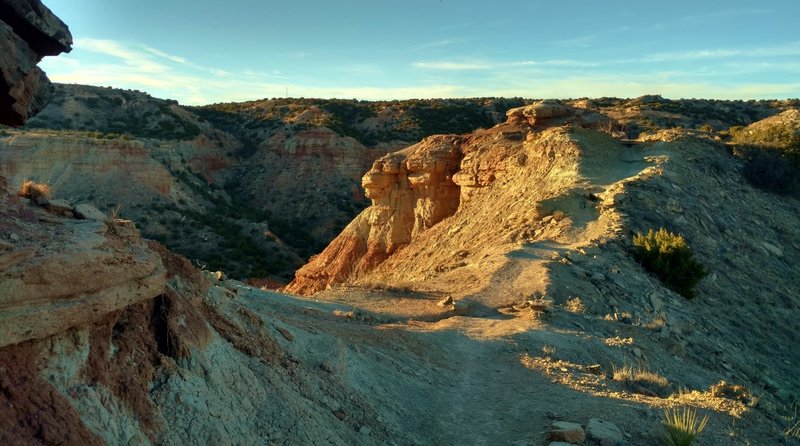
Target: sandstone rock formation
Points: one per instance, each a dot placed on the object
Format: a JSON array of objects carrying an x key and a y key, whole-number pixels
[
  {"x": 28, "y": 32},
  {"x": 414, "y": 189},
  {"x": 549, "y": 113},
  {"x": 411, "y": 190},
  {"x": 59, "y": 276}
]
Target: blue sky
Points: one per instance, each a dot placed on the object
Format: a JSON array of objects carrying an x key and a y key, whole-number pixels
[{"x": 203, "y": 51}]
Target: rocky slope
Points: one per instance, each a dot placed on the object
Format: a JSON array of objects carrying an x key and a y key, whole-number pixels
[{"x": 533, "y": 247}]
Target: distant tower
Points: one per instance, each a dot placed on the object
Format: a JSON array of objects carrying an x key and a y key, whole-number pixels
[{"x": 287, "y": 92}]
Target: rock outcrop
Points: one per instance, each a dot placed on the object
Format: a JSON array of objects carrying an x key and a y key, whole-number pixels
[
  {"x": 411, "y": 190},
  {"x": 68, "y": 272},
  {"x": 550, "y": 113},
  {"x": 28, "y": 32},
  {"x": 414, "y": 189}
]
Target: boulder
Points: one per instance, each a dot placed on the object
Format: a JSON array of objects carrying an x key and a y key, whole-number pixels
[
  {"x": 538, "y": 112},
  {"x": 86, "y": 211},
  {"x": 603, "y": 433},
  {"x": 567, "y": 432},
  {"x": 69, "y": 273}
]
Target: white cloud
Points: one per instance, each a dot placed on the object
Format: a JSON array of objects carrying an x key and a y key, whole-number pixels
[
  {"x": 438, "y": 44},
  {"x": 133, "y": 58},
  {"x": 167, "y": 76},
  {"x": 452, "y": 66},
  {"x": 690, "y": 55},
  {"x": 557, "y": 63}
]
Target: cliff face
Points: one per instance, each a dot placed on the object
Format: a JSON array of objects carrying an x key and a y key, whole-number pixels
[
  {"x": 411, "y": 190},
  {"x": 309, "y": 177},
  {"x": 78, "y": 166},
  {"x": 28, "y": 32},
  {"x": 414, "y": 189}
]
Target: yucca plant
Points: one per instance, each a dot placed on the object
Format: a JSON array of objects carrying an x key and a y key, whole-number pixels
[{"x": 682, "y": 426}]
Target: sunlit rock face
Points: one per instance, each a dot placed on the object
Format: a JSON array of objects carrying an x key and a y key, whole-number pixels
[
  {"x": 414, "y": 189},
  {"x": 411, "y": 190}
]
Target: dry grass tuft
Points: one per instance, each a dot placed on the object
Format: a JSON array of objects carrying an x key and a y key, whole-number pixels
[
  {"x": 641, "y": 380},
  {"x": 617, "y": 341},
  {"x": 683, "y": 426},
  {"x": 575, "y": 305},
  {"x": 548, "y": 350},
  {"x": 33, "y": 190}
]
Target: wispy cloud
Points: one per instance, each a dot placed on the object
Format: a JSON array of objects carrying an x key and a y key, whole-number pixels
[
  {"x": 473, "y": 65},
  {"x": 137, "y": 59},
  {"x": 787, "y": 49},
  {"x": 588, "y": 40},
  {"x": 142, "y": 58},
  {"x": 298, "y": 54},
  {"x": 159, "y": 53},
  {"x": 438, "y": 44},
  {"x": 453, "y": 66},
  {"x": 164, "y": 75},
  {"x": 690, "y": 55},
  {"x": 557, "y": 63},
  {"x": 727, "y": 13}
]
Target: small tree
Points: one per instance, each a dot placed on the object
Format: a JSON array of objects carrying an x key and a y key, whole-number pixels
[{"x": 669, "y": 257}]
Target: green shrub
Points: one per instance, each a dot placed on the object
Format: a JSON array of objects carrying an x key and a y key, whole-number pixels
[{"x": 669, "y": 257}]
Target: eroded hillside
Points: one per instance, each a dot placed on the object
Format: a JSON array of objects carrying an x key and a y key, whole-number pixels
[
  {"x": 522, "y": 234},
  {"x": 495, "y": 295},
  {"x": 252, "y": 189}
]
